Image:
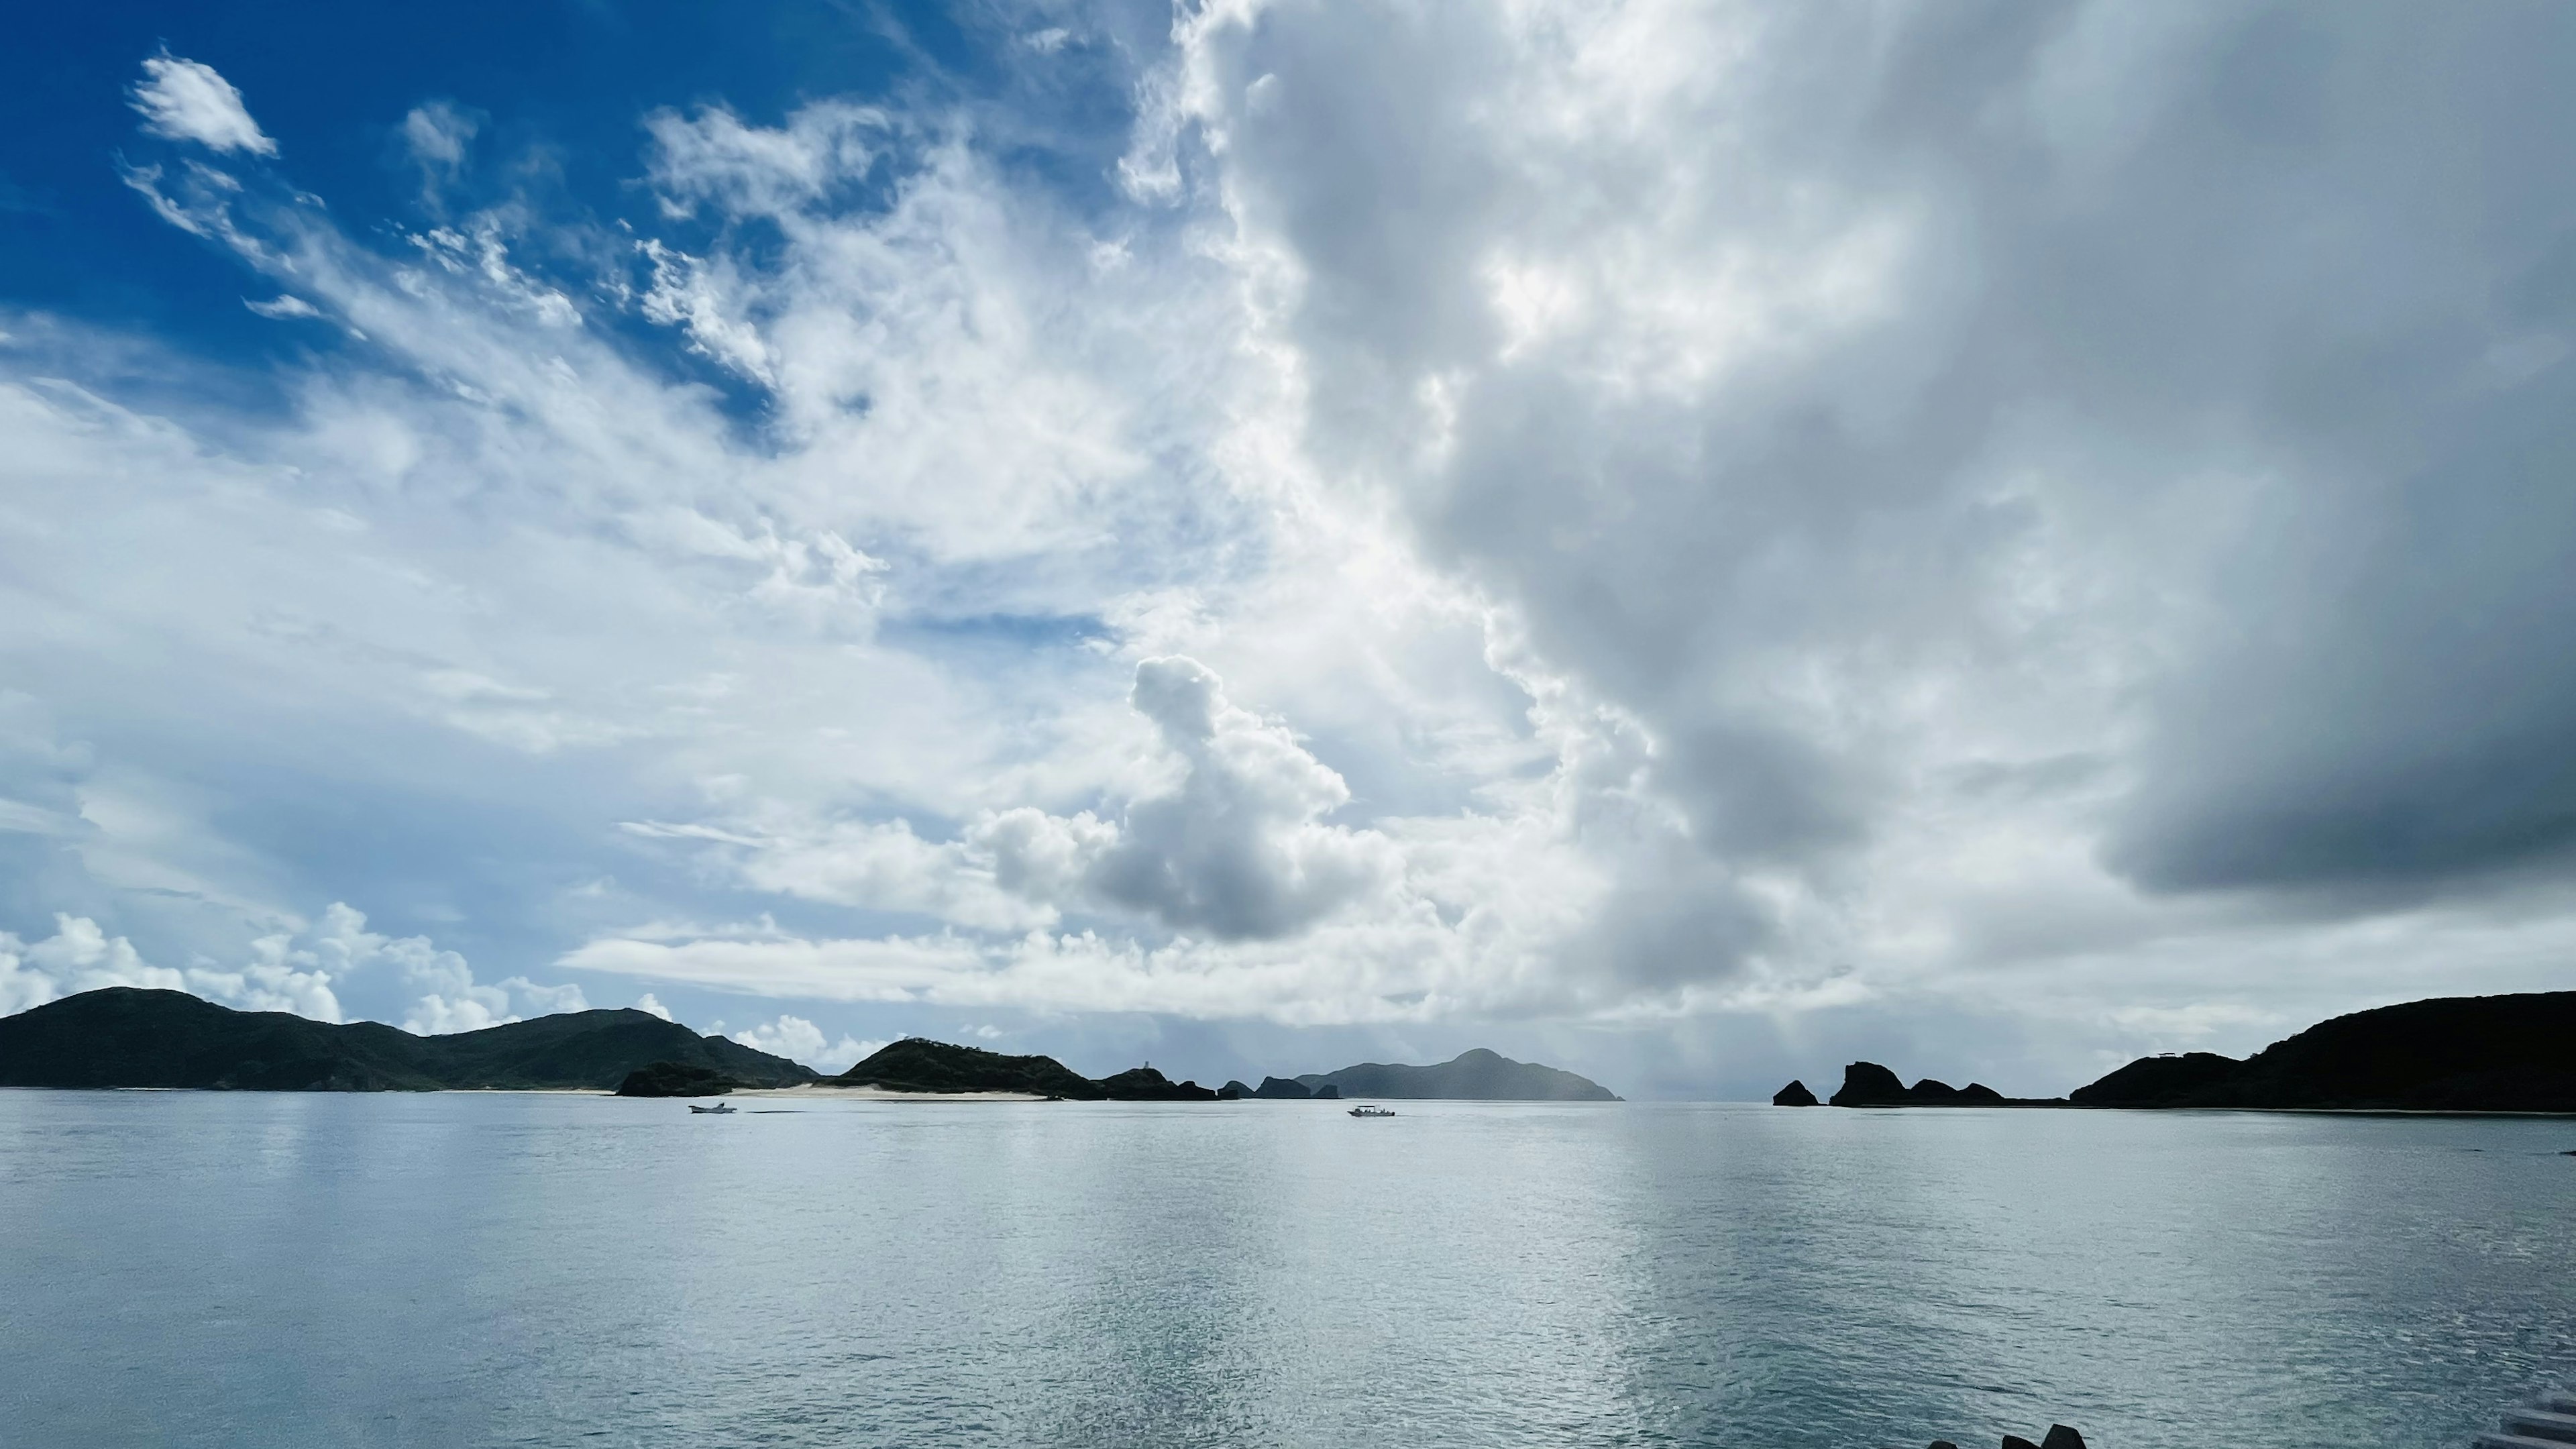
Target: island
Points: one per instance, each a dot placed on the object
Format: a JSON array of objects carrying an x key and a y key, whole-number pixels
[
  {"x": 1471, "y": 1076},
  {"x": 123, "y": 1036},
  {"x": 918, "y": 1064},
  {"x": 2511, "y": 1053}
]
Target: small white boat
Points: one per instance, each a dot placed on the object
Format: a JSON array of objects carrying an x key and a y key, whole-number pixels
[
  {"x": 1371, "y": 1112},
  {"x": 718, "y": 1110}
]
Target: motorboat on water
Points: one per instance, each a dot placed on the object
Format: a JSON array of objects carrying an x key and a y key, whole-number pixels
[
  {"x": 718, "y": 1110},
  {"x": 1371, "y": 1112}
]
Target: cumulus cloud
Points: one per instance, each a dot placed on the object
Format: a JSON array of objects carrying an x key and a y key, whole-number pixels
[
  {"x": 77, "y": 957},
  {"x": 300, "y": 971},
  {"x": 185, "y": 100},
  {"x": 1628, "y": 513},
  {"x": 1238, "y": 848},
  {"x": 797, "y": 1039}
]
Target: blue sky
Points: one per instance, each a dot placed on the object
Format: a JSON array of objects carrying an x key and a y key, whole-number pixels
[{"x": 1688, "y": 541}]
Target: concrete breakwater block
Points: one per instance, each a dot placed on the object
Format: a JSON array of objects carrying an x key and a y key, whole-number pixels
[
  {"x": 2059, "y": 1437},
  {"x": 2542, "y": 1424}
]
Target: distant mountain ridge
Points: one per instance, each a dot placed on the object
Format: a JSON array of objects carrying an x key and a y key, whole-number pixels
[
  {"x": 1471, "y": 1076},
  {"x": 918, "y": 1064},
  {"x": 130, "y": 1037}
]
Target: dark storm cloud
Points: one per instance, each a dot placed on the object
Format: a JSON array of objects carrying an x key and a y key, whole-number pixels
[{"x": 2321, "y": 254}]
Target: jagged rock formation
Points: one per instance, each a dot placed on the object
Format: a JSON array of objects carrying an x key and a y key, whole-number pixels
[
  {"x": 129, "y": 1037},
  {"x": 2451, "y": 1054},
  {"x": 918, "y": 1064},
  {"x": 1794, "y": 1095},
  {"x": 1867, "y": 1084},
  {"x": 1477, "y": 1076}
]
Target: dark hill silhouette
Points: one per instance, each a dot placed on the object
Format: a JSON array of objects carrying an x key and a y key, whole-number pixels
[
  {"x": 1144, "y": 1084},
  {"x": 918, "y": 1064},
  {"x": 1475, "y": 1076},
  {"x": 2158, "y": 1081},
  {"x": 127, "y": 1037},
  {"x": 2451, "y": 1054}
]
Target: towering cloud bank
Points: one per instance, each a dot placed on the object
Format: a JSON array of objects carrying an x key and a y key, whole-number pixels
[{"x": 1627, "y": 514}]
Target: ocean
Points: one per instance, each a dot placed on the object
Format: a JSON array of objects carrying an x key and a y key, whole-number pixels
[{"x": 526, "y": 1269}]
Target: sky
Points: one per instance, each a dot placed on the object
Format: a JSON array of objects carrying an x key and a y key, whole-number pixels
[{"x": 1692, "y": 542}]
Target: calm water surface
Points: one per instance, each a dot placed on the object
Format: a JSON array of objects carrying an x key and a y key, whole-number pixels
[{"x": 293, "y": 1270}]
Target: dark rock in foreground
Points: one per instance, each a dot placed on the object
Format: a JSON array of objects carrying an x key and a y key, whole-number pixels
[
  {"x": 2453, "y": 1054},
  {"x": 672, "y": 1079},
  {"x": 2061, "y": 1437},
  {"x": 1474, "y": 1076},
  {"x": 127, "y": 1037},
  {"x": 1144, "y": 1084},
  {"x": 918, "y": 1064},
  {"x": 1793, "y": 1095},
  {"x": 2015, "y": 1441}
]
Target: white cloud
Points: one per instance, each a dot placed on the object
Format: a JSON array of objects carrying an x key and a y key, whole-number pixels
[
  {"x": 77, "y": 957},
  {"x": 651, "y": 1005},
  {"x": 283, "y": 308},
  {"x": 187, "y": 101},
  {"x": 797, "y": 1039},
  {"x": 1671, "y": 545},
  {"x": 438, "y": 134}
]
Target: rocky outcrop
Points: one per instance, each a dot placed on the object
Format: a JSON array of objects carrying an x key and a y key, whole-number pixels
[
  {"x": 1794, "y": 1095},
  {"x": 1328, "y": 1093},
  {"x": 1283, "y": 1090},
  {"x": 2061, "y": 1437},
  {"x": 1233, "y": 1092},
  {"x": 1867, "y": 1084}
]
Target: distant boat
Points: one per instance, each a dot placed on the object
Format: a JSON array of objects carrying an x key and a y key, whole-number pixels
[
  {"x": 1371, "y": 1112},
  {"x": 718, "y": 1110}
]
